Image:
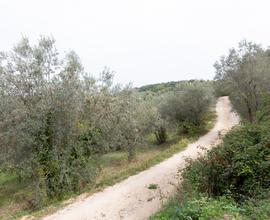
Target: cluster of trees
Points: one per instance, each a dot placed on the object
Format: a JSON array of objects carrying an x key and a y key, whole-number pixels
[
  {"x": 244, "y": 75},
  {"x": 55, "y": 119}
]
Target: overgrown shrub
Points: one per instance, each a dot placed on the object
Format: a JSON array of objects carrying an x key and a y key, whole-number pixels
[{"x": 239, "y": 167}]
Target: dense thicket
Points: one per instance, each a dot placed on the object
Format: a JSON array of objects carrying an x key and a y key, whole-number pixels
[{"x": 56, "y": 120}]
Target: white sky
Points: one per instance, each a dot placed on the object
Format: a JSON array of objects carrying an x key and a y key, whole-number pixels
[{"x": 144, "y": 41}]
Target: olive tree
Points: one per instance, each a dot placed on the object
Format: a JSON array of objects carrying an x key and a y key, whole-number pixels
[
  {"x": 39, "y": 111},
  {"x": 186, "y": 105},
  {"x": 115, "y": 118},
  {"x": 245, "y": 75}
]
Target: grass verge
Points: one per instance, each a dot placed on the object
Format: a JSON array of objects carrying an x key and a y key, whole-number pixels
[{"x": 222, "y": 208}]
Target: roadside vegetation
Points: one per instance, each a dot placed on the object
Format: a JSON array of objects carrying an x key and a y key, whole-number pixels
[
  {"x": 64, "y": 132},
  {"x": 232, "y": 181}
]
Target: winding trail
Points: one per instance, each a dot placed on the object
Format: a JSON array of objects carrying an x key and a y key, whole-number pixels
[{"x": 131, "y": 199}]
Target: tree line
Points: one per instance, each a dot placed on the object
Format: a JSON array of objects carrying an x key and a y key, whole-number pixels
[{"x": 56, "y": 119}]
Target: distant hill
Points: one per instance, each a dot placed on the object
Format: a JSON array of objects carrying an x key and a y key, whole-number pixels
[{"x": 167, "y": 86}]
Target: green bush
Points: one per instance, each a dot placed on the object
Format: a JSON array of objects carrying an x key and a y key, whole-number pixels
[
  {"x": 199, "y": 209},
  {"x": 257, "y": 209},
  {"x": 205, "y": 208},
  {"x": 239, "y": 167},
  {"x": 230, "y": 182}
]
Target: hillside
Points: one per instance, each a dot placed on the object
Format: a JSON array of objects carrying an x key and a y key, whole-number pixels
[{"x": 160, "y": 88}]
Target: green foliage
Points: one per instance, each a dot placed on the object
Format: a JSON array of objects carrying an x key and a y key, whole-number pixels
[
  {"x": 57, "y": 122},
  {"x": 232, "y": 180},
  {"x": 244, "y": 75},
  {"x": 56, "y": 119},
  {"x": 258, "y": 209},
  {"x": 115, "y": 118},
  {"x": 239, "y": 167},
  {"x": 188, "y": 128},
  {"x": 236, "y": 169},
  {"x": 199, "y": 209},
  {"x": 16, "y": 196},
  {"x": 181, "y": 106},
  {"x": 160, "y": 87},
  {"x": 186, "y": 106},
  {"x": 204, "y": 208},
  {"x": 39, "y": 111}
]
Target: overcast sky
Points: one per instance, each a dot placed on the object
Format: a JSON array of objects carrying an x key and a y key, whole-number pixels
[{"x": 144, "y": 41}]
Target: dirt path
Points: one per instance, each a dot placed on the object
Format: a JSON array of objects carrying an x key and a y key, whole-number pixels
[{"x": 131, "y": 199}]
